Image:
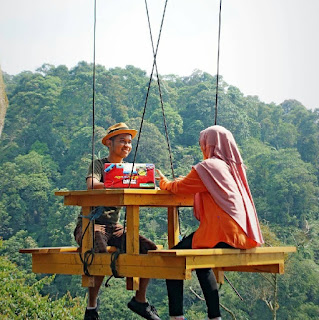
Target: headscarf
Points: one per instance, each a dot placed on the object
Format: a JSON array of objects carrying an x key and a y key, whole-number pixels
[{"x": 224, "y": 175}]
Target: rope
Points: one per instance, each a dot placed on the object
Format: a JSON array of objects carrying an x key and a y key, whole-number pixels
[
  {"x": 93, "y": 93},
  {"x": 161, "y": 99},
  {"x": 160, "y": 91},
  {"x": 235, "y": 290},
  {"x": 115, "y": 256},
  {"x": 148, "y": 90},
  {"x": 219, "y": 29},
  {"x": 88, "y": 257}
]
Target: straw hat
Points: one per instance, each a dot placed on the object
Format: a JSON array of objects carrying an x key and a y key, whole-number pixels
[{"x": 117, "y": 129}]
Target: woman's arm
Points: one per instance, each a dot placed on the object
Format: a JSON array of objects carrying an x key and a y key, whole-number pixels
[{"x": 190, "y": 184}]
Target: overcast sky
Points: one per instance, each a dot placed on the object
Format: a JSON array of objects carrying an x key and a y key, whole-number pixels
[{"x": 269, "y": 48}]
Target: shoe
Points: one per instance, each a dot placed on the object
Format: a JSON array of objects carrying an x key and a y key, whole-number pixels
[
  {"x": 91, "y": 314},
  {"x": 145, "y": 310}
]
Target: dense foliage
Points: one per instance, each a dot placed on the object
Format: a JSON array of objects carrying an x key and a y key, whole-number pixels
[
  {"x": 20, "y": 296},
  {"x": 46, "y": 145}
]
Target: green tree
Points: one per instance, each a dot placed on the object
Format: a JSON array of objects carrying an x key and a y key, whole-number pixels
[{"x": 20, "y": 297}]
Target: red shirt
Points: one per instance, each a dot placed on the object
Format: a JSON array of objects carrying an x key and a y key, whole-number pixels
[{"x": 215, "y": 224}]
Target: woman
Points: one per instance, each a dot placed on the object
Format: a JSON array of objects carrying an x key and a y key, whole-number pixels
[{"x": 224, "y": 207}]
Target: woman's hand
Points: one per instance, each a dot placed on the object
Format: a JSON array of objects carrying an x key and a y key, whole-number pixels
[{"x": 161, "y": 176}]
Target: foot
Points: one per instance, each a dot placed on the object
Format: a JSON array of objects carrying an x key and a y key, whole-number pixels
[
  {"x": 91, "y": 314},
  {"x": 145, "y": 310}
]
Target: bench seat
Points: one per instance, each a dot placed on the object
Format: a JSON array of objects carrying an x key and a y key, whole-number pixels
[{"x": 162, "y": 264}]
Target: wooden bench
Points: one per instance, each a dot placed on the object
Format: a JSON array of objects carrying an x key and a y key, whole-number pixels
[
  {"x": 261, "y": 259},
  {"x": 162, "y": 264}
]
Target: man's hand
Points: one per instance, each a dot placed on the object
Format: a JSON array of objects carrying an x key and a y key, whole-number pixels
[
  {"x": 100, "y": 228},
  {"x": 118, "y": 231},
  {"x": 96, "y": 184}
]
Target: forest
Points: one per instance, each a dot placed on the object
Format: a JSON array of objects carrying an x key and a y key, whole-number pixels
[{"x": 46, "y": 146}]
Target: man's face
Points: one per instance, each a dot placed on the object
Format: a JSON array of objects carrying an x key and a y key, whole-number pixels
[{"x": 121, "y": 145}]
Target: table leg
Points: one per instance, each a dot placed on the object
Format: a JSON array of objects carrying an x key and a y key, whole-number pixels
[
  {"x": 87, "y": 244},
  {"x": 172, "y": 227},
  {"x": 132, "y": 241}
]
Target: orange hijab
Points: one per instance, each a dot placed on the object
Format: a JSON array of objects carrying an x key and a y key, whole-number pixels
[{"x": 224, "y": 175}]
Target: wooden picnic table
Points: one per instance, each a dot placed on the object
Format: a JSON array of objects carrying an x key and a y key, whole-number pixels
[{"x": 164, "y": 264}]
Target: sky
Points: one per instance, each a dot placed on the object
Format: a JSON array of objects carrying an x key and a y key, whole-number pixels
[{"x": 269, "y": 48}]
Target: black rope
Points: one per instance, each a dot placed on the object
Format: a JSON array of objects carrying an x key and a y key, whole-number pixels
[
  {"x": 88, "y": 255},
  {"x": 93, "y": 93},
  {"x": 148, "y": 90},
  {"x": 162, "y": 104},
  {"x": 217, "y": 80},
  {"x": 114, "y": 258},
  {"x": 235, "y": 290},
  {"x": 160, "y": 92}
]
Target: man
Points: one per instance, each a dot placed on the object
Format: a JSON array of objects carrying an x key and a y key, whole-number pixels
[{"x": 107, "y": 229}]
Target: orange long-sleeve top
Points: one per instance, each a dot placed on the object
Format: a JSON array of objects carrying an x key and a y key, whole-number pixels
[{"x": 215, "y": 224}]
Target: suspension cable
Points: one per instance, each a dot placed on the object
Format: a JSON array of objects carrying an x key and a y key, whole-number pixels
[
  {"x": 160, "y": 92},
  {"x": 147, "y": 94},
  {"x": 149, "y": 86},
  {"x": 93, "y": 93},
  {"x": 218, "y": 53},
  {"x": 89, "y": 255},
  {"x": 145, "y": 103},
  {"x": 162, "y": 104}
]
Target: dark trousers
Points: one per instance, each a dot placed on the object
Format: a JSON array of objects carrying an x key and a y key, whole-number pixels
[
  {"x": 113, "y": 236},
  {"x": 207, "y": 281}
]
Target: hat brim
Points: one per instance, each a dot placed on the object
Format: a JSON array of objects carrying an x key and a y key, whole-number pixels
[{"x": 132, "y": 132}]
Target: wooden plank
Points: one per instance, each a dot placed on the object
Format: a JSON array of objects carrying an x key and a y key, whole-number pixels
[
  {"x": 192, "y": 252},
  {"x": 110, "y": 191},
  {"x": 233, "y": 260},
  {"x": 87, "y": 242},
  {"x": 152, "y": 266},
  {"x": 271, "y": 268},
  {"x": 132, "y": 235},
  {"x": 207, "y": 252},
  {"x": 127, "y": 200},
  {"x": 132, "y": 241},
  {"x": 49, "y": 250},
  {"x": 219, "y": 275},
  {"x": 172, "y": 227},
  {"x": 94, "y": 200},
  {"x": 150, "y": 272},
  {"x": 142, "y": 260},
  {"x": 133, "y": 283},
  {"x": 123, "y": 197},
  {"x": 129, "y": 265},
  {"x": 124, "y": 191},
  {"x": 44, "y": 250},
  {"x": 167, "y": 261}
]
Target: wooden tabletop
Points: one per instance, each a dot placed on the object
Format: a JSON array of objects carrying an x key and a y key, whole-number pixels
[{"x": 125, "y": 197}]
